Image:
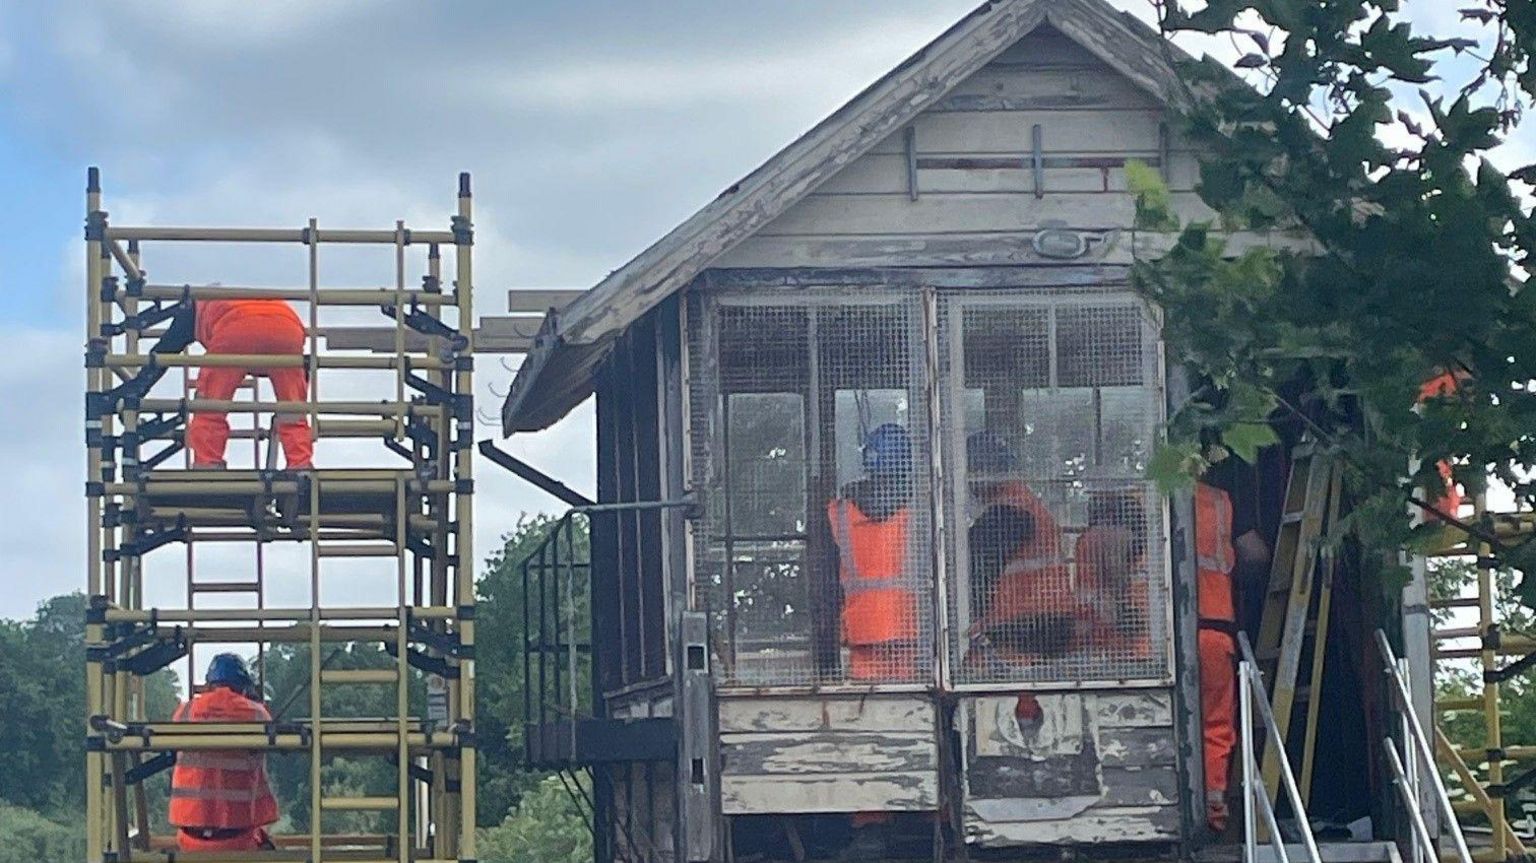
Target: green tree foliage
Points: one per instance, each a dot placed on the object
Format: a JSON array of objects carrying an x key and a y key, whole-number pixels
[
  {"x": 31, "y": 838},
  {"x": 42, "y": 722},
  {"x": 1413, "y": 247},
  {"x": 499, "y": 659},
  {"x": 287, "y": 672},
  {"x": 546, "y": 826},
  {"x": 1463, "y": 679}
]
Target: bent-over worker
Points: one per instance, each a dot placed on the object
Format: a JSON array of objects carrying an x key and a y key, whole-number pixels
[
  {"x": 220, "y": 799},
  {"x": 1022, "y": 587},
  {"x": 252, "y": 327}
]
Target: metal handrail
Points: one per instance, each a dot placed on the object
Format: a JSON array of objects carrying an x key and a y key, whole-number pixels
[
  {"x": 1250, "y": 684},
  {"x": 1422, "y": 760}
]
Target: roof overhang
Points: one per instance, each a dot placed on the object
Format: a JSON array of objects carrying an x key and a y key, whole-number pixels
[{"x": 558, "y": 373}]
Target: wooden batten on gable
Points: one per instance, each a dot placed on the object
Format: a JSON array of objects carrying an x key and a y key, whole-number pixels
[{"x": 945, "y": 161}]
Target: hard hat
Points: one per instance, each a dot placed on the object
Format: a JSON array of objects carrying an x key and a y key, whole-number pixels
[
  {"x": 228, "y": 669},
  {"x": 888, "y": 451},
  {"x": 987, "y": 452}
]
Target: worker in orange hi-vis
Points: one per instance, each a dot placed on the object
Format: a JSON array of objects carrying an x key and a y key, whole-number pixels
[
  {"x": 871, "y": 530},
  {"x": 220, "y": 799},
  {"x": 1216, "y": 555},
  {"x": 1111, "y": 571},
  {"x": 871, "y": 523},
  {"x": 1441, "y": 386},
  {"x": 253, "y": 327},
  {"x": 1025, "y": 606}
]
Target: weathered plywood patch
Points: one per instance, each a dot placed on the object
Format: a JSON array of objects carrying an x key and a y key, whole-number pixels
[
  {"x": 874, "y": 714},
  {"x": 826, "y": 752},
  {"x": 1099, "y": 826},
  {"x": 852, "y": 792}
]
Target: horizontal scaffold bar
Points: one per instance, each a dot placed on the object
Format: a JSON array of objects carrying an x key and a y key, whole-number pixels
[
  {"x": 372, "y": 741},
  {"x": 370, "y": 843},
  {"x": 294, "y": 634},
  {"x": 222, "y": 406},
  {"x": 342, "y": 527},
  {"x": 359, "y": 804},
  {"x": 327, "y": 296},
  {"x": 412, "y": 237},
  {"x": 290, "y": 615},
  {"x": 291, "y": 486},
  {"x": 359, "y": 675},
  {"x": 269, "y": 361},
  {"x": 331, "y": 428}
]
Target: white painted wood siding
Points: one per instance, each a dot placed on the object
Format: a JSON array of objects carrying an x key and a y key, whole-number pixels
[{"x": 1091, "y": 120}]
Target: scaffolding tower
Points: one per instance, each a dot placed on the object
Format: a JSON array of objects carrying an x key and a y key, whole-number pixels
[
  {"x": 1488, "y": 778},
  {"x": 404, "y": 522}
]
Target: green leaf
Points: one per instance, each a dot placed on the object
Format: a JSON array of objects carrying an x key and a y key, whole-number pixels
[
  {"x": 1246, "y": 439},
  {"x": 1175, "y": 466}
]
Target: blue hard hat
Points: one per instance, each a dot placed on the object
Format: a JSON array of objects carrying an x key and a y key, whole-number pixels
[
  {"x": 228, "y": 669},
  {"x": 888, "y": 451},
  {"x": 988, "y": 452}
]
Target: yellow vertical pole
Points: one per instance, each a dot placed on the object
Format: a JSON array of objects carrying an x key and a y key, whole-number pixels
[
  {"x": 464, "y": 545},
  {"x": 402, "y": 682},
  {"x": 93, "y": 563},
  {"x": 437, "y": 592},
  {"x": 316, "y": 830},
  {"x": 1489, "y": 658}
]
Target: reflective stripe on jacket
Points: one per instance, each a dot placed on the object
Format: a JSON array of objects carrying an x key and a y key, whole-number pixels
[
  {"x": 878, "y": 601},
  {"x": 221, "y": 788},
  {"x": 1214, "y": 556}
]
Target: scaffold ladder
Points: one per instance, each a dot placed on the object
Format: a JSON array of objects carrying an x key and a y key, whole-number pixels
[{"x": 1297, "y": 603}]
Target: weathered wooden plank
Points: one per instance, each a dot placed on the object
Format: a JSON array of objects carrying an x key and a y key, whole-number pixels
[
  {"x": 1090, "y": 85},
  {"x": 1136, "y": 747},
  {"x": 948, "y": 277},
  {"x": 874, "y": 714},
  {"x": 1098, "y": 826},
  {"x": 827, "y": 752},
  {"x": 1047, "y": 47},
  {"x": 887, "y": 174},
  {"x": 843, "y": 215},
  {"x": 850, "y": 792},
  {"x": 1133, "y": 709},
  {"x": 498, "y": 335},
  {"x": 991, "y": 249},
  {"x": 540, "y": 300},
  {"x": 1076, "y": 132},
  {"x": 1152, "y": 786}
]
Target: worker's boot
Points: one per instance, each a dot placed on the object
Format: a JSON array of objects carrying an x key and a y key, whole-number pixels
[
  {"x": 1216, "y": 811},
  {"x": 210, "y": 465}
]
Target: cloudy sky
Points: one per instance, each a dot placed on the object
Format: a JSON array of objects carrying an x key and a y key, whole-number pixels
[{"x": 591, "y": 128}]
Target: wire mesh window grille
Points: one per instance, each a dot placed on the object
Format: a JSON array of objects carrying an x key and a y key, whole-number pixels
[
  {"x": 815, "y": 551},
  {"x": 813, "y": 448},
  {"x": 1050, "y": 405}
]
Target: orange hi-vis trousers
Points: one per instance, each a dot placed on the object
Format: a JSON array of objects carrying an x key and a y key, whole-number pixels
[
  {"x": 208, "y": 433},
  {"x": 1218, "y": 705}
]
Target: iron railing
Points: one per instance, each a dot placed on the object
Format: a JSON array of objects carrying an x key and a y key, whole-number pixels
[
  {"x": 1417, "y": 760},
  {"x": 1250, "y": 689}
]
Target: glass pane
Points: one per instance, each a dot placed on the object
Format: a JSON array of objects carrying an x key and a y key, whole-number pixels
[
  {"x": 1099, "y": 346},
  {"x": 765, "y": 456}
]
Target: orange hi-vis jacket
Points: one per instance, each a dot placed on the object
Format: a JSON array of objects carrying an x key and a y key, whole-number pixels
[
  {"x": 1214, "y": 556},
  {"x": 213, "y": 315},
  {"x": 1444, "y": 385},
  {"x": 1035, "y": 580},
  {"x": 221, "y": 788},
  {"x": 879, "y": 604}
]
